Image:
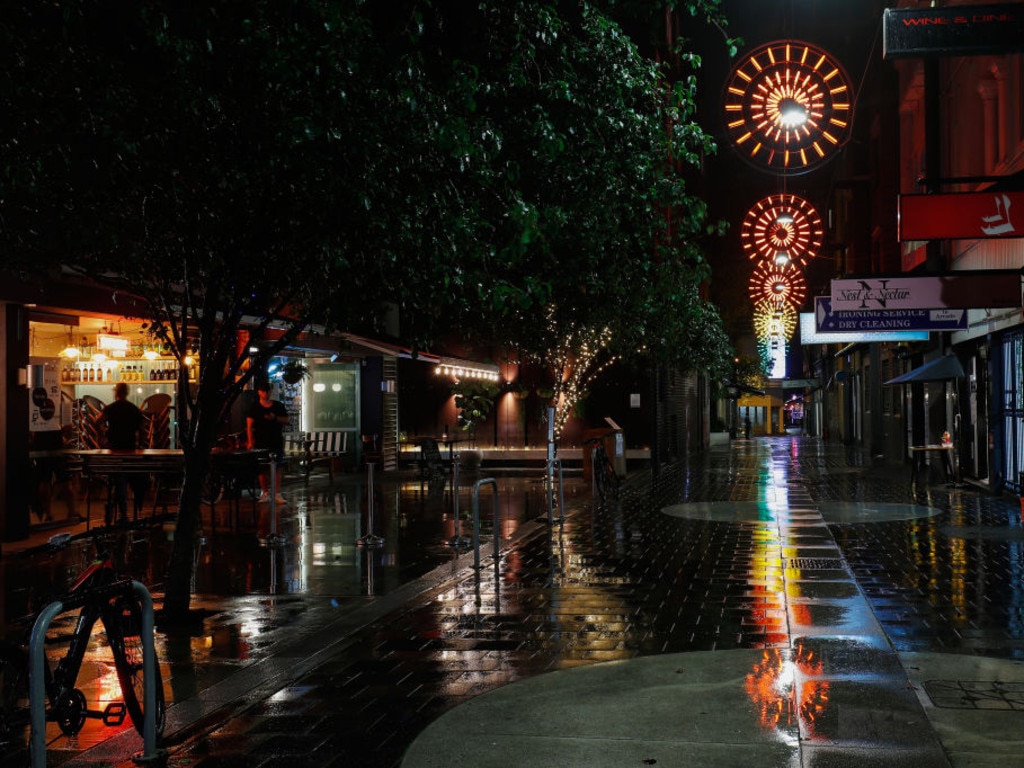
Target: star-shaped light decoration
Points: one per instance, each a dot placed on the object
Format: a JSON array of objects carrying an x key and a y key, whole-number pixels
[
  {"x": 788, "y": 106},
  {"x": 782, "y": 229}
]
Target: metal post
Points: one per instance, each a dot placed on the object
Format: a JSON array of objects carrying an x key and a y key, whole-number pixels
[
  {"x": 549, "y": 467},
  {"x": 476, "y": 520},
  {"x": 273, "y": 539},
  {"x": 458, "y": 541},
  {"x": 370, "y": 539},
  {"x": 561, "y": 495}
]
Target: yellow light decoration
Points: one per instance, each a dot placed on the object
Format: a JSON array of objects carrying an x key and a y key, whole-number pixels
[
  {"x": 782, "y": 224},
  {"x": 788, "y": 106},
  {"x": 778, "y": 285},
  {"x": 771, "y": 319}
]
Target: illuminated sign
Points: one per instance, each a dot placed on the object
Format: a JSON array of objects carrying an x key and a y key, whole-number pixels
[
  {"x": 963, "y": 215},
  {"x": 810, "y": 335},
  {"x": 827, "y": 321},
  {"x": 977, "y": 289},
  {"x": 954, "y": 30},
  {"x": 112, "y": 343}
]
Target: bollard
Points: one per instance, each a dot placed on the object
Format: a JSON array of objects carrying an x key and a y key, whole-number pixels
[
  {"x": 370, "y": 539},
  {"x": 561, "y": 493},
  {"x": 476, "y": 520},
  {"x": 458, "y": 541}
]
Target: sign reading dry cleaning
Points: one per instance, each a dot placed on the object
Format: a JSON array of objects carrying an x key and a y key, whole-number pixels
[{"x": 988, "y": 289}]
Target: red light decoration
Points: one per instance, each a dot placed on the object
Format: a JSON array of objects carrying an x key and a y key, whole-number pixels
[
  {"x": 778, "y": 285},
  {"x": 782, "y": 229},
  {"x": 788, "y": 106}
]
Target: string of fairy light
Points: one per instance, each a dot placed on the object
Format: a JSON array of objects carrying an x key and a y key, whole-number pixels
[{"x": 788, "y": 107}]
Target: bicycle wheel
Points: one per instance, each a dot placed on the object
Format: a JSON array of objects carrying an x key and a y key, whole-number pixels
[
  {"x": 124, "y": 631},
  {"x": 14, "y": 715}
]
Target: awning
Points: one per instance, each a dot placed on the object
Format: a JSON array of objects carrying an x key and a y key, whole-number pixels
[{"x": 942, "y": 369}]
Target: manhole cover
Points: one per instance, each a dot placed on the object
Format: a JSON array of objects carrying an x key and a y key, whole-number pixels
[{"x": 976, "y": 694}]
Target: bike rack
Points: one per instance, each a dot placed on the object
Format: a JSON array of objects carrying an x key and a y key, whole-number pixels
[
  {"x": 37, "y": 686},
  {"x": 476, "y": 519}
]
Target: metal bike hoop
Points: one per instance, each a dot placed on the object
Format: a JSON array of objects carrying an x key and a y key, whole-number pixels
[{"x": 37, "y": 685}]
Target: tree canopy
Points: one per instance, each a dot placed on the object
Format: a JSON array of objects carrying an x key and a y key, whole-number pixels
[{"x": 270, "y": 164}]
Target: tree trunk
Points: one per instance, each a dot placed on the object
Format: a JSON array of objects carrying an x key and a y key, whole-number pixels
[{"x": 181, "y": 569}]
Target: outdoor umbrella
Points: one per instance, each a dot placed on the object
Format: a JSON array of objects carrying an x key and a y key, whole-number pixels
[{"x": 945, "y": 368}]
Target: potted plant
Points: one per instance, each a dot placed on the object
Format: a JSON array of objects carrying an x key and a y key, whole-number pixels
[
  {"x": 474, "y": 401},
  {"x": 293, "y": 372}
]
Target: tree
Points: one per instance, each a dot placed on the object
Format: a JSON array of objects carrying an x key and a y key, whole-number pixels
[{"x": 254, "y": 170}]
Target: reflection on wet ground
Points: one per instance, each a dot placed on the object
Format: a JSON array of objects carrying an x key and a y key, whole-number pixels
[{"x": 815, "y": 569}]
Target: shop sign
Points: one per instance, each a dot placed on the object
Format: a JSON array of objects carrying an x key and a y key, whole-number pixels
[
  {"x": 827, "y": 321},
  {"x": 809, "y": 334},
  {"x": 961, "y": 215},
  {"x": 44, "y": 389},
  {"x": 954, "y": 30},
  {"x": 979, "y": 289}
]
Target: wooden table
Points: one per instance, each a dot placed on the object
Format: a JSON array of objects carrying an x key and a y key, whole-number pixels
[{"x": 919, "y": 454}]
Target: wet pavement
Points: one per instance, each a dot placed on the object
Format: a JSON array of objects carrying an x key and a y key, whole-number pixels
[{"x": 777, "y": 602}]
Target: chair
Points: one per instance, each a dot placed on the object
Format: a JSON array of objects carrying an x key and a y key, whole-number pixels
[{"x": 157, "y": 429}]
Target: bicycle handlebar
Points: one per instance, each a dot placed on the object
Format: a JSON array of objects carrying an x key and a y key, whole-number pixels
[{"x": 60, "y": 541}]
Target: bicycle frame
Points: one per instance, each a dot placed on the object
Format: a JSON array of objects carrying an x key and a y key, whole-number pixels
[{"x": 99, "y": 593}]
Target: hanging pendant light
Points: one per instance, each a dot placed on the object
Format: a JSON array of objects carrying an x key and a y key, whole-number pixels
[{"x": 72, "y": 350}]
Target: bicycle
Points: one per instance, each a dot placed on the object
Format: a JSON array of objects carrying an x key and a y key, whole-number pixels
[
  {"x": 104, "y": 595},
  {"x": 606, "y": 480}
]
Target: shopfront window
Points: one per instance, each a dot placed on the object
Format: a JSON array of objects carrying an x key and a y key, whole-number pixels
[{"x": 332, "y": 401}]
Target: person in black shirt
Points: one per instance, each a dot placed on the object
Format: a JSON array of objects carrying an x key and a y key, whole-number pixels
[
  {"x": 264, "y": 429},
  {"x": 124, "y": 422}
]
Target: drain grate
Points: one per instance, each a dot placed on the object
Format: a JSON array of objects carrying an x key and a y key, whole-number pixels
[
  {"x": 976, "y": 694},
  {"x": 815, "y": 563}
]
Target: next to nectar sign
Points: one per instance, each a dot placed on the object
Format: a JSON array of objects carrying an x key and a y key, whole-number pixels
[{"x": 970, "y": 289}]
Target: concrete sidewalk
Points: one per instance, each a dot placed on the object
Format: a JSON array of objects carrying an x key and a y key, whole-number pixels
[{"x": 777, "y": 602}]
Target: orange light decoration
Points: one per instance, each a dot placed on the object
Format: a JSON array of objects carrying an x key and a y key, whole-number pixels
[
  {"x": 788, "y": 106},
  {"x": 782, "y": 229},
  {"x": 778, "y": 285}
]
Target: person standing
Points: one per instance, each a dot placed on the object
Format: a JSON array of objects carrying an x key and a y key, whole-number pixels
[
  {"x": 123, "y": 422},
  {"x": 264, "y": 429}
]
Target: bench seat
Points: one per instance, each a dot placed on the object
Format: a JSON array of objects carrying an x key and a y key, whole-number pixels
[{"x": 319, "y": 447}]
